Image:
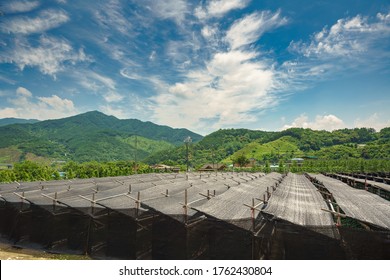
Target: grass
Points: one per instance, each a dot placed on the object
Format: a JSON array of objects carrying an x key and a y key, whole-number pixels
[
  {"x": 282, "y": 146},
  {"x": 10, "y": 154}
]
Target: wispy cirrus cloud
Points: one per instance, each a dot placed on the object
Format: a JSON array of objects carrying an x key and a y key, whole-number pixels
[
  {"x": 357, "y": 39},
  {"x": 100, "y": 84},
  {"x": 20, "y": 6},
  {"x": 50, "y": 55},
  {"x": 28, "y": 106},
  {"x": 352, "y": 45},
  {"x": 247, "y": 30},
  {"x": 218, "y": 8},
  {"x": 111, "y": 16},
  {"x": 140, "y": 108},
  {"x": 46, "y": 20},
  {"x": 175, "y": 10},
  {"x": 232, "y": 84}
]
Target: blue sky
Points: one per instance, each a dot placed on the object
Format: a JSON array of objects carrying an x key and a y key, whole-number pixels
[{"x": 202, "y": 65}]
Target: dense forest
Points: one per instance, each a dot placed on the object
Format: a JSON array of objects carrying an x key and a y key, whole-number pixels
[
  {"x": 226, "y": 145},
  {"x": 87, "y": 137},
  {"x": 32, "y": 171}
]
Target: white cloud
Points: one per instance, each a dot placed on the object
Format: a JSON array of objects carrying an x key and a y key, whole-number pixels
[
  {"x": 23, "y": 92},
  {"x": 46, "y": 20},
  {"x": 130, "y": 73},
  {"x": 331, "y": 122},
  {"x": 383, "y": 17},
  {"x": 99, "y": 84},
  {"x": 373, "y": 121},
  {"x": 347, "y": 37},
  {"x": 218, "y": 8},
  {"x": 113, "y": 96},
  {"x": 104, "y": 80},
  {"x": 20, "y": 6},
  {"x": 140, "y": 108},
  {"x": 350, "y": 46},
  {"x": 112, "y": 17},
  {"x": 110, "y": 110},
  {"x": 175, "y": 10},
  {"x": 49, "y": 56},
  {"x": 247, "y": 30},
  {"x": 208, "y": 31},
  {"x": 56, "y": 102},
  {"x": 152, "y": 56},
  {"x": 227, "y": 89},
  {"x": 7, "y": 80},
  {"x": 226, "y": 92},
  {"x": 326, "y": 122},
  {"x": 29, "y": 107}
]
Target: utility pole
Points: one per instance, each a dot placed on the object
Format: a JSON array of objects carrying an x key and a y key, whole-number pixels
[
  {"x": 213, "y": 159},
  {"x": 187, "y": 141}
]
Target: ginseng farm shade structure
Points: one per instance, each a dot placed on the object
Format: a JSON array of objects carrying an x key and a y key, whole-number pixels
[{"x": 183, "y": 216}]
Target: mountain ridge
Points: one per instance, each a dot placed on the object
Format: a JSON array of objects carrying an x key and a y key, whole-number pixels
[
  {"x": 90, "y": 136},
  {"x": 9, "y": 121},
  {"x": 94, "y": 136}
]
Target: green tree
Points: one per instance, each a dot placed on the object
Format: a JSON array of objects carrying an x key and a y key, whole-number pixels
[
  {"x": 241, "y": 160},
  {"x": 281, "y": 168},
  {"x": 267, "y": 168}
]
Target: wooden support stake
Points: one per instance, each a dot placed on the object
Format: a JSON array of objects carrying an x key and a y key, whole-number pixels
[
  {"x": 185, "y": 205},
  {"x": 138, "y": 202},
  {"x": 129, "y": 192},
  {"x": 55, "y": 200},
  {"x": 338, "y": 216},
  {"x": 253, "y": 215},
  {"x": 166, "y": 193},
  {"x": 93, "y": 201}
]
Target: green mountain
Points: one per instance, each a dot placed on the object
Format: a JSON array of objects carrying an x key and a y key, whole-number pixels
[
  {"x": 283, "y": 148},
  {"x": 214, "y": 147},
  {"x": 94, "y": 136},
  {"x": 90, "y": 136},
  {"x": 8, "y": 121},
  {"x": 226, "y": 145}
]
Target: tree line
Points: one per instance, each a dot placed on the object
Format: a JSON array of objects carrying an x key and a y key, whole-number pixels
[{"x": 33, "y": 171}]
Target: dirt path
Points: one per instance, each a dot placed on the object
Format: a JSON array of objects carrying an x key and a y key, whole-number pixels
[{"x": 10, "y": 252}]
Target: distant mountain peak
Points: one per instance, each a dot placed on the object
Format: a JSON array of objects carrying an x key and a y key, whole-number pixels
[{"x": 8, "y": 121}]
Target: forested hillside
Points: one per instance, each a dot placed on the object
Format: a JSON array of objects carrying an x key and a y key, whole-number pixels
[
  {"x": 86, "y": 137},
  {"x": 94, "y": 136},
  {"x": 226, "y": 145}
]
